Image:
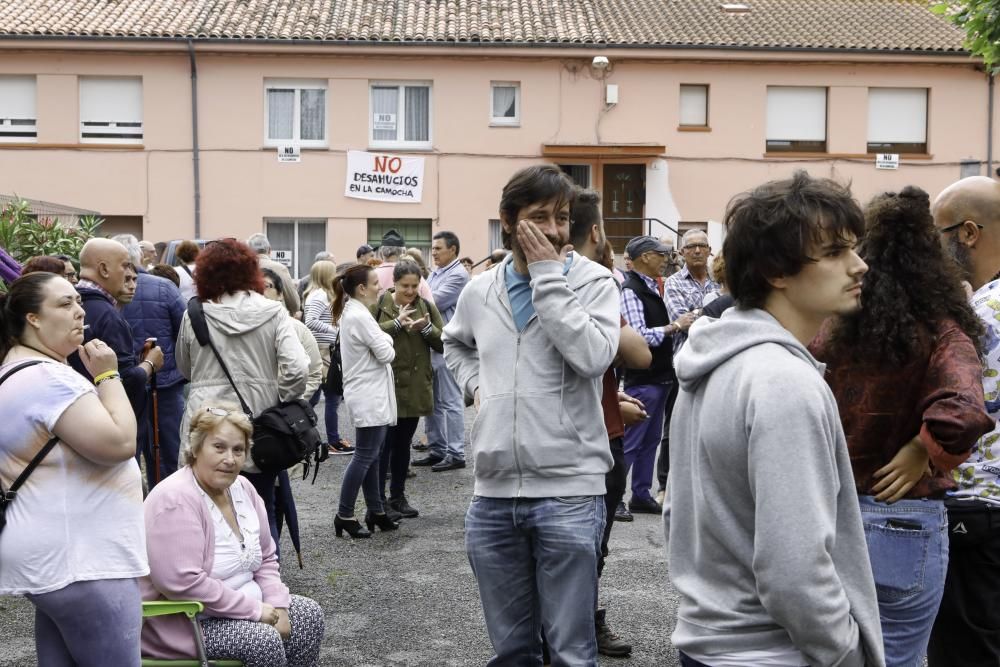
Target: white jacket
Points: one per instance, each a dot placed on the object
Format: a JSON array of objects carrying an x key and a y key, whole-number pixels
[
  {"x": 366, "y": 354},
  {"x": 256, "y": 338}
]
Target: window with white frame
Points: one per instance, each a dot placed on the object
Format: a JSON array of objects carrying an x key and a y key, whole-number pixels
[
  {"x": 496, "y": 234},
  {"x": 400, "y": 115},
  {"x": 694, "y": 105},
  {"x": 295, "y": 243},
  {"x": 897, "y": 120},
  {"x": 295, "y": 113},
  {"x": 796, "y": 119},
  {"x": 18, "y": 117},
  {"x": 111, "y": 110},
  {"x": 505, "y": 103}
]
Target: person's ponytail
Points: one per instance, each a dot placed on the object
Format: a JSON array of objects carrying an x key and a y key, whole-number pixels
[{"x": 337, "y": 305}]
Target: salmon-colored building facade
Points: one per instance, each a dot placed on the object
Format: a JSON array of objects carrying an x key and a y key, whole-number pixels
[{"x": 667, "y": 132}]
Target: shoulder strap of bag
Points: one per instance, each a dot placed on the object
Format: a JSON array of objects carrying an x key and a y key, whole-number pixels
[
  {"x": 200, "y": 326},
  {"x": 10, "y": 494},
  {"x": 187, "y": 270}
]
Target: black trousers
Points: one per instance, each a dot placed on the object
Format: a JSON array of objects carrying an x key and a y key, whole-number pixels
[
  {"x": 396, "y": 454},
  {"x": 663, "y": 463},
  {"x": 967, "y": 630},
  {"x": 615, "y": 483}
]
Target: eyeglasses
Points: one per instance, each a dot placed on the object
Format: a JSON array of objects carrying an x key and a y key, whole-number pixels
[
  {"x": 219, "y": 412},
  {"x": 696, "y": 246},
  {"x": 951, "y": 228}
]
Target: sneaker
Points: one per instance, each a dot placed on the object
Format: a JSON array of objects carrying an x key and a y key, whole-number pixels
[
  {"x": 608, "y": 643},
  {"x": 660, "y": 495},
  {"x": 622, "y": 513},
  {"x": 644, "y": 506},
  {"x": 341, "y": 448}
]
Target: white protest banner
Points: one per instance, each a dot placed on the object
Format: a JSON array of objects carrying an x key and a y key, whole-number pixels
[{"x": 379, "y": 177}]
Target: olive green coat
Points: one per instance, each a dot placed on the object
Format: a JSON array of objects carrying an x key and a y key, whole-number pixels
[{"x": 412, "y": 365}]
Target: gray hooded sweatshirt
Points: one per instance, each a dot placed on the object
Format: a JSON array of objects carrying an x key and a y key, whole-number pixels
[
  {"x": 540, "y": 429},
  {"x": 764, "y": 536}
]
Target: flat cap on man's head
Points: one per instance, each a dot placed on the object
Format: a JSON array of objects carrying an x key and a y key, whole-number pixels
[
  {"x": 364, "y": 250},
  {"x": 641, "y": 244},
  {"x": 393, "y": 238}
]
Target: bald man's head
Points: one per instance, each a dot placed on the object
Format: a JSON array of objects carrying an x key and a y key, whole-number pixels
[
  {"x": 106, "y": 263},
  {"x": 967, "y": 214}
]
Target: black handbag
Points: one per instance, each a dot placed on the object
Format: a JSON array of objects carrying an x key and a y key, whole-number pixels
[
  {"x": 284, "y": 434},
  {"x": 8, "y": 496},
  {"x": 334, "y": 383}
]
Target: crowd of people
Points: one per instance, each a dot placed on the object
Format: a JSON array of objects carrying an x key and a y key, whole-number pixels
[{"x": 816, "y": 405}]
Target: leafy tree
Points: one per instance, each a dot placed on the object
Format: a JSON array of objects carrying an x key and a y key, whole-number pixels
[{"x": 980, "y": 19}]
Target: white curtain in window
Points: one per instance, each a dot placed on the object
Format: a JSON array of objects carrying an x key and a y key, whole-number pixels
[
  {"x": 385, "y": 102},
  {"x": 694, "y": 105},
  {"x": 313, "y": 114},
  {"x": 897, "y": 115},
  {"x": 418, "y": 111},
  {"x": 111, "y": 99},
  {"x": 17, "y": 97},
  {"x": 504, "y": 101},
  {"x": 280, "y": 113},
  {"x": 796, "y": 113}
]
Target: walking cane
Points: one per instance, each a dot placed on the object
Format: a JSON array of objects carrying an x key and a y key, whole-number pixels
[{"x": 150, "y": 344}]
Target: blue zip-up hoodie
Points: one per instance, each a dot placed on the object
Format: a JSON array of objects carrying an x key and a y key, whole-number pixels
[
  {"x": 156, "y": 312},
  {"x": 540, "y": 428}
]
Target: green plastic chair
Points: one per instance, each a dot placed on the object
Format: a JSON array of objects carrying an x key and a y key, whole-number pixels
[{"x": 191, "y": 610}]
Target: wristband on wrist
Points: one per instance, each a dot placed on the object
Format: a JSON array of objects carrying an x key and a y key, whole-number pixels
[
  {"x": 426, "y": 331},
  {"x": 152, "y": 368},
  {"x": 399, "y": 325},
  {"x": 104, "y": 377}
]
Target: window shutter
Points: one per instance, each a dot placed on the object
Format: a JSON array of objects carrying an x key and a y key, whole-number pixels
[
  {"x": 694, "y": 106},
  {"x": 897, "y": 115},
  {"x": 108, "y": 99},
  {"x": 796, "y": 113}
]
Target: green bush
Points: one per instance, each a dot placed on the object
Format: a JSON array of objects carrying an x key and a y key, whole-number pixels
[{"x": 24, "y": 237}]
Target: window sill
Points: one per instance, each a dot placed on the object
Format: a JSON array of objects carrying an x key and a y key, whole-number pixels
[
  {"x": 74, "y": 147},
  {"x": 402, "y": 148},
  {"x": 694, "y": 128},
  {"x": 302, "y": 149},
  {"x": 843, "y": 156},
  {"x": 498, "y": 123}
]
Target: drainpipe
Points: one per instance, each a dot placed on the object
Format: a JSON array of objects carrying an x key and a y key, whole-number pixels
[
  {"x": 989, "y": 126},
  {"x": 194, "y": 142}
]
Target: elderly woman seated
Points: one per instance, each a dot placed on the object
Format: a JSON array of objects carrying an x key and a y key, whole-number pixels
[{"x": 205, "y": 542}]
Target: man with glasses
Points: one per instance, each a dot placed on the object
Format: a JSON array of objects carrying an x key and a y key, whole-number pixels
[
  {"x": 644, "y": 310},
  {"x": 685, "y": 293},
  {"x": 967, "y": 629}
]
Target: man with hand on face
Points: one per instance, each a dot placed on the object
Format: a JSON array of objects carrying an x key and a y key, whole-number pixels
[
  {"x": 529, "y": 342},
  {"x": 107, "y": 282}
]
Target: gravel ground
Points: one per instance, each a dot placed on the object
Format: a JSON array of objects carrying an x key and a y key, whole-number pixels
[{"x": 408, "y": 597}]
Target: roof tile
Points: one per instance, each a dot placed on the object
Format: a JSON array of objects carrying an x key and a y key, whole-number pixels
[{"x": 883, "y": 25}]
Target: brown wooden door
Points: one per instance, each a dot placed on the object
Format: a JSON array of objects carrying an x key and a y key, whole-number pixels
[{"x": 623, "y": 199}]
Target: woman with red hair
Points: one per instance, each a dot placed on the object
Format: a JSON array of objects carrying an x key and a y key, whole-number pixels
[{"x": 253, "y": 336}]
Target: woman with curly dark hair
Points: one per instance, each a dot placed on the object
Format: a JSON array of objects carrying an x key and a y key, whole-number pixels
[
  {"x": 255, "y": 338},
  {"x": 906, "y": 373}
]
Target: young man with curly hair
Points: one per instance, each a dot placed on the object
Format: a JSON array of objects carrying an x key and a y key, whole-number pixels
[{"x": 764, "y": 535}]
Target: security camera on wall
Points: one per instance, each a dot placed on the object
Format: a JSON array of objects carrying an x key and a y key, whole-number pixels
[{"x": 600, "y": 62}]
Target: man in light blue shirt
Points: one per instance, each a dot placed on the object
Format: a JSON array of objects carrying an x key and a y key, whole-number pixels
[{"x": 446, "y": 427}]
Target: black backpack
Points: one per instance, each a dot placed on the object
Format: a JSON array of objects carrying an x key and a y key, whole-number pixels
[{"x": 284, "y": 434}]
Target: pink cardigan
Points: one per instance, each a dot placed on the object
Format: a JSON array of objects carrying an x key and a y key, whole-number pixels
[{"x": 180, "y": 544}]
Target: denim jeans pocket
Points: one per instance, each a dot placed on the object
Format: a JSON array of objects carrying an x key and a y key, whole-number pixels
[
  {"x": 572, "y": 500},
  {"x": 898, "y": 557}
]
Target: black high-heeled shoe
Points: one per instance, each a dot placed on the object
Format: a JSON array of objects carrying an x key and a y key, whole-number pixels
[
  {"x": 381, "y": 520},
  {"x": 352, "y": 526}
]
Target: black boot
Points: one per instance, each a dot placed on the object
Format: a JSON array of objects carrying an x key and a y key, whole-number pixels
[
  {"x": 404, "y": 508},
  {"x": 608, "y": 643},
  {"x": 352, "y": 526},
  {"x": 381, "y": 520}
]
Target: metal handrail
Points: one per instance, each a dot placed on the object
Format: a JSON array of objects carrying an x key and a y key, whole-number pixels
[{"x": 647, "y": 225}]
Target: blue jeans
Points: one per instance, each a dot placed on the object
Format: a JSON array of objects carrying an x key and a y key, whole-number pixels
[
  {"x": 446, "y": 427},
  {"x": 89, "y": 624},
  {"x": 362, "y": 472},
  {"x": 643, "y": 439},
  {"x": 908, "y": 548},
  {"x": 329, "y": 413},
  {"x": 535, "y": 561}
]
